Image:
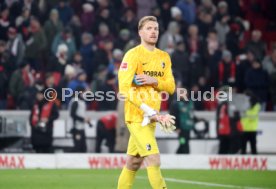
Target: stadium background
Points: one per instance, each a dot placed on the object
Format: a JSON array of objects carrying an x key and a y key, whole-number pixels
[{"x": 199, "y": 35}]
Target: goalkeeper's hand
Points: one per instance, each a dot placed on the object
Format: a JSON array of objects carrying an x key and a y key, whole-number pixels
[{"x": 166, "y": 122}]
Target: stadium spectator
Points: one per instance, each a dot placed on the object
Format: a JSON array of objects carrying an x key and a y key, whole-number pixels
[
  {"x": 15, "y": 46},
  {"x": 77, "y": 110},
  {"x": 59, "y": 60},
  {"x": 226, "y": 69},
  {"x": 108, "y": 88},
  {"x": 269, "y": 65},
  {"x": 188, "y": 9},
  {"x": 99, "y": 78},
  {"x": 103, "y": 35},
  {"x": 244, "y": 63},
  {"x": 212, "y": 43},
  {"x": 87, "y": 17},
  {"x": 104, "y": 18},
  {"x": 28, "y": 98},
  {"x": 166, "y": 14},
  {"x": 75, "y": 26},
  {"x": 212, "y": 56},
  {"x": 51, "y": 81},
  {"x": 234, "y": 112},
  {"x": 32, "y": 5},
  {"x": 35, "y": 45},
  {"x": 176, "y": 15},
  {"x": 52, "y": 27},
  {"x": 4, "y": 22},
  {"x": 65, "y": 11},
  {"x": 194, "y": 43},
  {"x": 103, "y": 54},
  {"x": 144, "y": 7},
  {"x": 256, "y": 45},
  {"x": 131, "y": 4},
  {"x": 23, "y": 20},
  {"x": 78, "y": 63},
  {"x": 222, "y": 29},
  {"x": 205, "y": 23},
  {"x": 181, "y": 64},
  {"x": 183, "y": 110},
  {"x": 269, "y": 62},
  {"x": 87, "y": 53},
  {"x": 250, "y": 122},
  {"x": 80, "y": 80},
  {"x": 197, "y": 90},
  {"x": 42, "y": 116},
  {"x": 233, "y": 39},
  {"x": 115, "y": 62},
  {"x": 20, "y": 80},
  {"x": 122, "y": 40},
  {"x": 106, "y": 4},
  {"x": 3, "y": 76},
  {"x": 223, "y": 125},
  {"x": 257, "y": 81},
  {"x": 170, "y": 38},
  {"x": 106, "y": 129},
  {"x": 65, "y": 37},
  {"x": 207, "y": 6},
  {"x": 251, "y": 9},
  {"x": 222, "y": 11},
  {"x": 69, "y": 75},
  {"x": 129, "y": 20}
]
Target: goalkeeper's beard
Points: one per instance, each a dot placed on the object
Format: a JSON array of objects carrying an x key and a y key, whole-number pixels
[{"x": 150, "y": 43}]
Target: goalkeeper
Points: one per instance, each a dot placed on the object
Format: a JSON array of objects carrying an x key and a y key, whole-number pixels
[{"x": 144, "y": 72}]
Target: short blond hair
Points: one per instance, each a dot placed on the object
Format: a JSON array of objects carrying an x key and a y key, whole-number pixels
[{"x": 146, "y": 19}]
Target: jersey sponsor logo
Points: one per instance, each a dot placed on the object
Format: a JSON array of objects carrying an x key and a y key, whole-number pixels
[
  {"x": 148, "y": 146},
  {"x": 163, "y": 64},
  {"x": 154, "y": 73},
  {"x": 123, "y": 66}
]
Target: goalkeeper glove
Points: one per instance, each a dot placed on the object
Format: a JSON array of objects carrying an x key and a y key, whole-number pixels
[
  {"x": 166, "y": 123},
  {"x": 148, "y": 112}
]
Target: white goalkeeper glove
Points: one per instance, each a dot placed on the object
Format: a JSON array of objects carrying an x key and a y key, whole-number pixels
[
  {"x": 148, "y": 112},
  {"x": 166, "y": 122}
]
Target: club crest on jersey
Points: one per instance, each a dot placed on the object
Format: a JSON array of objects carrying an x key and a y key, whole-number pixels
[
  {"x": 163, "y": 64},
  {"x": 148, "y": 147},
  {"x": 123, "y": 66}
]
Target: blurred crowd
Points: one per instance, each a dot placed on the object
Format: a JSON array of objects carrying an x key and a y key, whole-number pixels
[{"x": 73, "y": 43}]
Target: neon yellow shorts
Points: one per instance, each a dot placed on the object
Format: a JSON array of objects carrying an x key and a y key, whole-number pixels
[{"x": 142, "y": 140}]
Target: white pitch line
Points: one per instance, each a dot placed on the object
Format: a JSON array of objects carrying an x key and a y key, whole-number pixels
[{"x": 204, "y": 183}]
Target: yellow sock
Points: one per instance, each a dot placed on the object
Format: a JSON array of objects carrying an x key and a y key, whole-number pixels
[
  {"x": 155, "y": 178},
  {"x": 126, "y": 179}
]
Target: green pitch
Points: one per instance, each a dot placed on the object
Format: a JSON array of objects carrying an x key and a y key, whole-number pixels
[{"x": 107, "y": 179}]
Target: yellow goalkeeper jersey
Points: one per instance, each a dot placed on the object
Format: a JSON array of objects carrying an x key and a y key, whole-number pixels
[{"x": 140, "y": 60}]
